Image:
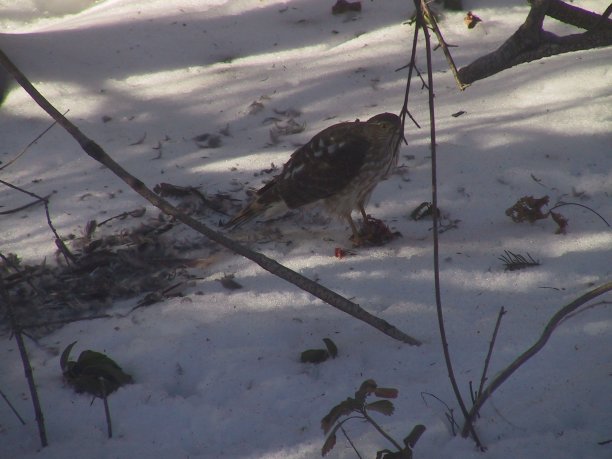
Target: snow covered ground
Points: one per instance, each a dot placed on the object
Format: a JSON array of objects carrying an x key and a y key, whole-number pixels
[{"x": 217, "y": 372}]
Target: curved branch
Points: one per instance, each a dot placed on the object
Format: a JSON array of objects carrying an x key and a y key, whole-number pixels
[
  {"x": 96, "y": 152},
  {"x": 533, "y": 350}
]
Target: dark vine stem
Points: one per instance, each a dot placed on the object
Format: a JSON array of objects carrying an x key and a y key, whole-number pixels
[{"x": 421, "y": 6}]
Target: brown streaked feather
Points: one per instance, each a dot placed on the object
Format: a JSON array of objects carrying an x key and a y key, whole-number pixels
[
  {"x": 265, "y": 198},
  {"x": 323, "y": 166}
]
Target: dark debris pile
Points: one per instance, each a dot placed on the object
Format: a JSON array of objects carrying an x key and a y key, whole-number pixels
[{"x": 100, "y": 270}]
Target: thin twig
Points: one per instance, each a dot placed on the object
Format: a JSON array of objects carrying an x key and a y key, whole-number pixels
[
  {"x": 13, "y": 409},
  {"x": 27, "y": 368},
  {"x": 429, "y": 17},
  {"x": 561, "y": 204},
  {"x": 96, "y": 152},
  {"x": 59, "y": 243},
  {"x": 533, "y": 350},
  {"x": 58, "y": 240},
  {"x": 483, "y": 377},
  {"x": 30, "y": 144},
  {"x": 436, "y": 250},
  {"x": 350, "y": 442},
  {"x": 585, "y": 309},
  {"x": 449, "y": 411},
  {"x": 380, "y": 429},
  {"x": 412, "y": 66},
  {"x": 25, "y": 206},
  {"x": 22, "y": 190},
  {"x": 416, "y": 69}
]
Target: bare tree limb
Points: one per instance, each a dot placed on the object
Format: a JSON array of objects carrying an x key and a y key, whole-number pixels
[
  {"x": 578, "y": 17},
  {"x": 530, "y": 42},
  {"x": 533, "y": 350},
  {"x": 96, "y": 152}
]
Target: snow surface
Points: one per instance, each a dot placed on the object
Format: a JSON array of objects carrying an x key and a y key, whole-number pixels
[{"x": 217, "y": 372}]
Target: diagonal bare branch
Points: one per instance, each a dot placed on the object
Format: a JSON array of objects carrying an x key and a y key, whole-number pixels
[{"x": 96, "y": 152}]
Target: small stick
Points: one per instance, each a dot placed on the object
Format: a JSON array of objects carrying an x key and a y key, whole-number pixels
[
  {"x": 27, "y": 367},
  {"x": 25, "y": 206},
  {"x": 12, "y": 408},
  {"x": 350, "y": 442},
  {"x": 30, "y": 144},
  {"x": 58, "y": 240},
  {"x": 483, "y": 378},
  {"x": 449, "y": 413},
  {"x": 561, "y": 204},
  {"x": 449, "y": 58},
  {"x": 380, "y": 429}
]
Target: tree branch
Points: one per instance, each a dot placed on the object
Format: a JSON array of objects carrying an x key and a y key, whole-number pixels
[
  {"x": 533, "y": 350},
  {"x": 530, "y": 42},
  {"x": 97, "y": 153},
  {"x": 578, "y": 17}
]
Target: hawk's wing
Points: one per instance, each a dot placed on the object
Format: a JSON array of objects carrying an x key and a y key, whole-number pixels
[
  {"x": 322, "y": 167},
  {"x": 345, "y": 160}
]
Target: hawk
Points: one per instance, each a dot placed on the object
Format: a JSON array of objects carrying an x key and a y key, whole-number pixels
[{"x": 340, "y": 167}]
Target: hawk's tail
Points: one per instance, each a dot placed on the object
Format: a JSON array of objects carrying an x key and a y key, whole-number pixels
[
  {"x": 248, "y": 213},
  {"x": 266, "y": 200}
]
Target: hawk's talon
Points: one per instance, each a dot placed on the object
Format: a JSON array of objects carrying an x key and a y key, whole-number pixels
[{"x": 373, "y": 232}]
